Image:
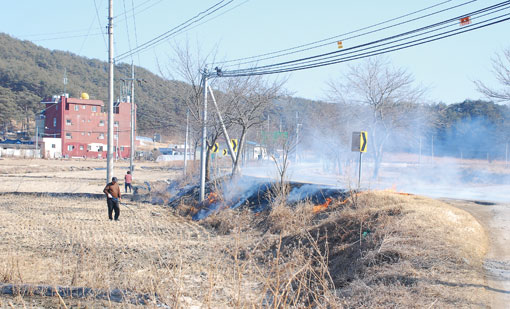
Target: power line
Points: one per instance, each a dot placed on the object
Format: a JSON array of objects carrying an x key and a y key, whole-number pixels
[
  {"x": 176, "y": 29},
  {"x": 299, "y": 48},
  {"x": 374, "y": 53},
  {"x": 136, "y": 7},
  {"x": 88, "y": 32},
  {"x": 127, "y": 29},
  {"x": 496, "y": 8},
  {"x": 67, "y": 37},
  {"x": 324, "y": 59},
  {"x": 100, "y": 26},
  {"x": 134, "y": 24}
]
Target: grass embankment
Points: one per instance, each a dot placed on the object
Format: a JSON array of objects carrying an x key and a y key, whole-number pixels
[{"x": 377, "y": 250}]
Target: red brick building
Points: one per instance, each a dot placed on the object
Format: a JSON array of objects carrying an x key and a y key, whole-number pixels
[{"x": 82, "y": 126}]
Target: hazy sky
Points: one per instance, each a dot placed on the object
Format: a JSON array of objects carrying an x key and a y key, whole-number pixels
[{"x": 446, "y": 67}]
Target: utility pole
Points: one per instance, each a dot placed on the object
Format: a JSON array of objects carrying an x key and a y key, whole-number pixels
[
  {"x": 186, "y": 143},
  {"x": 204, "y": 140},
  {"x": 36, "y": 139},
  {"x": 132, "y": 135},
  {"x": 109, "y": 164}
]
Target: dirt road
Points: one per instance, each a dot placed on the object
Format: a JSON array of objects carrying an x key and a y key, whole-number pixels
[{"x": 496, "y": 220}]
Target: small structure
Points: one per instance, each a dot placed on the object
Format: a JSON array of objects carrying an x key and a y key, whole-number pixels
[{"x": 81, "y": 127}]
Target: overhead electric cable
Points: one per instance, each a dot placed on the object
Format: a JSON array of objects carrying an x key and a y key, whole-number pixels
[
  {"x": 495, "y": 8},
  {"x": 100, "y": 26},
  {"x": 284, "y": 66},
  {"x": 127, "y": 29},
  {"x": 88, "y": 32},
  {"x": 299, "y": 48},
  {"x": 66, "y": 37},
  {"x": 172, "y": 31},
  {"x": 134, "y": 25},
  {"x": 354, "y": 36},
  {"x": 376, "y": 52}
]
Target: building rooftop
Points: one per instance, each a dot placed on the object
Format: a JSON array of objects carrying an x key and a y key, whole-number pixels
[{"x": 85, "y": 102}]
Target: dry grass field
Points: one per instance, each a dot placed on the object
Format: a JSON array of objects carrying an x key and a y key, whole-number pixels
[
  {"x": 378, "y": 250},
  {"x": 74, "y": 176}
]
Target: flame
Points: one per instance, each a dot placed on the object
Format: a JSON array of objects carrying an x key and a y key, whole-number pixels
[
  {"x": 322, "y": 207},
  {"x": 212, "y": 198}
]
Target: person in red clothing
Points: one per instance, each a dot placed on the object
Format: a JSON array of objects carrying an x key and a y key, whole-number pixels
[{"x": 127, "y": 182}]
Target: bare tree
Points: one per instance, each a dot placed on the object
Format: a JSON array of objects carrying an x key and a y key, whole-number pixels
[
  {"x": 501, "y": 69},
  {"x": 187, "y": 66},
  {"x": 248, "y": 99},
  {"x": 387, "y": 92}
]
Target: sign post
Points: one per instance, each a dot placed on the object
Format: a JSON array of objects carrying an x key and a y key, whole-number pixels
[{"x": 359, "y": 144}]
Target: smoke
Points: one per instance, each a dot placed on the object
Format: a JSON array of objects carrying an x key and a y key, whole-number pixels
[{"x": 455, "y": 151}]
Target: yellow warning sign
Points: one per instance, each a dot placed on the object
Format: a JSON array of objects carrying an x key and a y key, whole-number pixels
[{"x": 234, "y": 144}]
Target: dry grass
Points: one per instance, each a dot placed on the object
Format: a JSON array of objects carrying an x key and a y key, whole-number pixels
[{"x": 379, "y": 250}]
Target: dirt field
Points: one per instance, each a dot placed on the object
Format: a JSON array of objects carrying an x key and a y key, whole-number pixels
[
  {"x": 74, "y": 176},
  {"x": 376, "y": 250}
]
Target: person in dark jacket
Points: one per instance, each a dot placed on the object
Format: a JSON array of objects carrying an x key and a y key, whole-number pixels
[{"x": 112, "y": 192}]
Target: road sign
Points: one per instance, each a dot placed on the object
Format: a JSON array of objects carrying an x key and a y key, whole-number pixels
[
  {"x": 234, "y": 144},
  {"x": 359, "y": 141},
  {"x": 225, "y": 152},
  {"x": 215, "y": 148},
  {"x": 340, "y": 44}
]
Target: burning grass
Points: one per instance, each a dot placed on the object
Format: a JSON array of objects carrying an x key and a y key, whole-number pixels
[{"x": 376, "y": 250}]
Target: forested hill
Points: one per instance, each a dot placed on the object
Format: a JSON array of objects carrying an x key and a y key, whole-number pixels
[{"x": 29, "y": 73}]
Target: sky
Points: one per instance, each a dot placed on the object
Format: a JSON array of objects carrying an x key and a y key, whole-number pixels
[{"x": 447, "y": 68}]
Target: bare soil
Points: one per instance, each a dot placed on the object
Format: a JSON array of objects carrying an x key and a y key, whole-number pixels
[{"x": 496, "y": 220}]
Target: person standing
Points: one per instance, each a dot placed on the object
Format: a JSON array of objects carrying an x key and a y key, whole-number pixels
[
  {"x": 127, "y": 181},
  {"x": 112, "y": 192}
]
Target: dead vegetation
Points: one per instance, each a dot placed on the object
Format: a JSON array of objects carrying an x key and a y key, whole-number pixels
[{"x": 375, "y": 250}]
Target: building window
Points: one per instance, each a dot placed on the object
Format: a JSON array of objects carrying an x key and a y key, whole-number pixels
[
  {"x": 101, "y": 136},
  {"x": 53, "y": 146},
  {"x": 89, "y": 147},
  {"x": 83, "y": 107},
  {"x": 70, "y": 147},
  {"x": 68, "y": 136},
  {"x": 54, "y": 122},
  {"x": 116, "y": 123},
  {"x": 101, "y": 123},
  {"x": 88, "y": 133},
  {"x": 81, "y": 147},
  {"x": 56, "y": 106},
  {"x": 82, "y": 133},
  {"x": 76, "y": 107},
  {"x": 122, "y": 148},
  {"x": 68, "y": 122},
  {"x": 94, "y": 109}
]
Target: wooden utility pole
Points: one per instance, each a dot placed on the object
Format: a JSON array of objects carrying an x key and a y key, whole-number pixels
[{"x": 109, "y": 164}]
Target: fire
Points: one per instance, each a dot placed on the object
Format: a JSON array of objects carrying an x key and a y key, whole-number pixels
[
  {"x": 322, "y": 207},
  {"x": 212, "y": 198}
]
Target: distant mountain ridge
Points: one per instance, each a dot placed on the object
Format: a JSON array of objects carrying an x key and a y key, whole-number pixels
[{"x": 29, "y": 73}]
